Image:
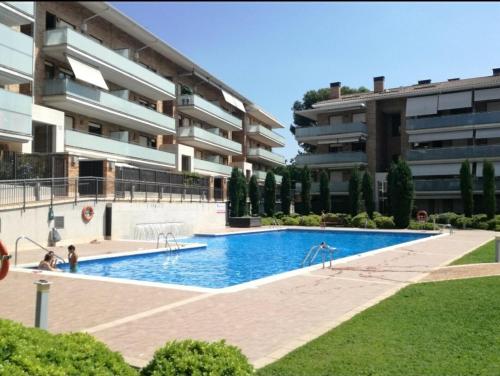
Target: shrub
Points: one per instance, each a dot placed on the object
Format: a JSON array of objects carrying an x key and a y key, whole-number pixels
[
  {"x": 479, "y": 221},
  {"x": 286, "y": 197},
  {"x": 294, "y": 215},
  {"x": 402, "y": 191},
  {"x": 270, "y": 194},
  {"x": 310, "y": 220},
  {"x": 492, "y": 224},
  {"x": 354, "y": 191},
  {"x": 466, "y": 188},
  {"x": 414, "y": 225},
  {"x": 291, "y": 221},
  {"x": 463, "y": 222},
  {"x": 445, "y": 218},
  {"x": 254, "y": 194},
  {"x": 306, "y": 190},
  {"x": 30, "y": 351},
  {"x": 190, "y": 357},
  {"x": 367, "y": 191},
  {"x": 269, "y": 221},
  {"x": 361, "y": 220},
  {"x": 278, "y": 215},
  {"x": 324, "y": 192},
  {"x": 384, "y": 222},
  {"x": 489, "y": 198}
]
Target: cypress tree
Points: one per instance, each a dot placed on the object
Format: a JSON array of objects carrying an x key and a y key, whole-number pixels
[
  {"x": 354, "y": 191},
  {"x": 306, "y": 190},
  {"x": 270, "y": 194},
  {"x": 286, "y": 198},
  {"x": 367, "y": 190},
  {"x": 402, "y": 190},
  {"x": 466, "y": 188},
  {"x": 324, "y": 192},
  {"x": 390, "y": 185},
  {"x": 234, "y": 196},
  {"x": 242, "y": 194},
  {"x": 253, "y": 192},
  {"x": 489, "y": 189}
]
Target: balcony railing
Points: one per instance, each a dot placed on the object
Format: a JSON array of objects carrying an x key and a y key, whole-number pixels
[
  {"x": 204, "y": 110},
  {"x": 201, "y": 165},
  {"x": 331, "y": 158},
  {"x": 265, "y": 134},
  {"x": 16, "y": 54},
  {"x": 109, "y": 146},
  {"x": 266, "y": 155},
  {"x": 114, "y": 66},
  {"x": 330, "y": 130},
  {"x": 475, "y": 118},
  {"x": 203, "y": 136},
  {"x": 26, "y": 7},
  {"x": 15, "y": 114},
  {"x": 447, "y": 185},
  {"x": 463, "y": 152},
  {"x": 105, "y": 106},
  {"x": 261, "y": 175}
]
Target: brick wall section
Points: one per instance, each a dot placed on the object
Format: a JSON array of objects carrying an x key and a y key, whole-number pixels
[
  {"x": 73, "y": 173},
  {"x": 109, "y": 176}
]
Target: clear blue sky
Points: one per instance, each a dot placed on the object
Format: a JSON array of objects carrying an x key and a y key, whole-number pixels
[{"x": 274, "y": 52}]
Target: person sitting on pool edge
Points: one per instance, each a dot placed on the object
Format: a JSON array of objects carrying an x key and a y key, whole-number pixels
[
  {"x": 46, "y": 264},
  {"x": 72, "y": 259}
]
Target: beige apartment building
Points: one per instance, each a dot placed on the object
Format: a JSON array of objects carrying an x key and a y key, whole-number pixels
[
  {"x": 434, "y": 126},
  {"x": 88, "y": 85}
]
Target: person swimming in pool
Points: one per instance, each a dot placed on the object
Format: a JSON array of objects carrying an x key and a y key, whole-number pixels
[
  {"x": 72, "y": 259},
  {"x": 46, "y": 264}
]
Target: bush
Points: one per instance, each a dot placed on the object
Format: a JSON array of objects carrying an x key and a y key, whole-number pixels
[
  {"x": 310, "y": 220},
  {"x": 445, "y": 218},
  {"x": 463, "y": 222},
  {"x": 269, "y": 221},
  {"x": 291, "y": 221},
  {"x": 361, "y": 220},
  {"x": 294, "y": 215},
  {"x": 30, "y": 351},
  {"x": 479, "y": 221},
  {"x": 190, "y": 357},
  {"x": 384, "y": 222},
  {"x": 278, "y": 215},
  {"x": 414, "y": 225}
]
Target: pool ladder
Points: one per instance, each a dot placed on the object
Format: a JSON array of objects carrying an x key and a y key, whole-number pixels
[
  {"x": 35, "y": 243},
  {"x": 167, "y": 244},
  {"x": 315, "y": 250}
]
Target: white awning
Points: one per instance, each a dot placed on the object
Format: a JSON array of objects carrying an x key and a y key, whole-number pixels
[
  {"x": 119, "y": 164},
  {"x": 488, "y": 133},
  {"x": 87, "y": 73},
  {"x": 416, "y": 106},
  {"x": 233, "y": 100},
  {"x": 487, "y": 94},
  {"x": 435, "y": 169},
  {"x": 451, "y": 101},
  {"x": 437, "y": 136}
]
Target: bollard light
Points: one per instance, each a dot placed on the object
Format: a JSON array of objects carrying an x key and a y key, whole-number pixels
[{"x": 42, "y": 304}]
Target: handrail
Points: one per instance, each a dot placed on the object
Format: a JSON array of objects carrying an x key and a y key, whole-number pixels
[
  {"x": 308, "y": 254},
  {"x": 158, "y": 239},
  {"x": 35, "y": 243},
  {"x": 322, "y": 247},
  {"x": 173, "y": 237},
  {"x": 167, "y": 244}
]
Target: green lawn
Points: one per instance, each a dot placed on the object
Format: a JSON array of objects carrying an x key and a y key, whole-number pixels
[
  {"x": 442, "y": 328},
  {"x": 485, "y": 253}
]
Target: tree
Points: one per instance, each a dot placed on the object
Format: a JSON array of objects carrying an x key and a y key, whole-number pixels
[
  {"x": 270, "y": 194},
  {"x": 253, "y": 192},
  {"x": 306, "y": 190},
  {"x": 234, "y": 195},
  {"x": 390, "y": 185},
  {"x": 324, "y": 192},
  {"x": 286, "y": 198},
  {"x": 354, "y": 191},
  {"x": 489, "y": 189},
  {"x": 466, "y": 188},
  {"x": 242, "y": 189},
  {"x": 401, "y": 193},
  {"x": 367, "y": 191}
]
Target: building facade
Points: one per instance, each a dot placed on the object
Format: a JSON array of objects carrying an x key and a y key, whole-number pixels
[
  {"x": 433, "y": 126},
  {"x": 83, "y": 82}
]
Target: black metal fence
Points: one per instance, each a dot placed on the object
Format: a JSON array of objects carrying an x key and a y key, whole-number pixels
[{"x": 31, "y": 166}]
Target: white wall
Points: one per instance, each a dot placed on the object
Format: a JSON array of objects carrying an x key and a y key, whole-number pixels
[{"x": 196, "y": 217}]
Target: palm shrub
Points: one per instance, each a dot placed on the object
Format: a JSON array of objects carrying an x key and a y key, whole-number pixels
[
  {"x": 253, "y": 193},
  {"x": 367, "y": 191},
  {"x": 354, "y": 191},
  {"x": 401, "y": 190},
  {"x": 466, "y": 188},
  {"x": 270, "y": 194},
  {"x": 306, "y": 190},
  {"x": 489, "y": 189},
  {"x": 286, "y": 198},
  {"x": 324, "y": 192}
]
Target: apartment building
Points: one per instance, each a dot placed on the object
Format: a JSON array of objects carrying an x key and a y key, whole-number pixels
[
  {"x": 114, "y": 101},
  {"x": 434, "y": 126}
]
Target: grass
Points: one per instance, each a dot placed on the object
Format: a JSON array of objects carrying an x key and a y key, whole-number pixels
[
  {"x": 440, "y": 328},
  {"x": 485, "y": 253}
]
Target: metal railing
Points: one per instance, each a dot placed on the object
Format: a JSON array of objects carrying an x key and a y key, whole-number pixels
[
  {"x": 35, "y": 243},
  {"x": 32, "y": 191}
]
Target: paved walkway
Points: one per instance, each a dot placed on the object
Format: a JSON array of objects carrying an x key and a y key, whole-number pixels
[
  {"x": 266, "y": 322},
  {"x": 463, "y": 271}
]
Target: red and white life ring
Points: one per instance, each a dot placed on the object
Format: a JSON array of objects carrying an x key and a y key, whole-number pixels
[
  {"x": 87, "y": 213},
  {"x": 4, "y": 263},
  {"x": 422, "y": 216}
]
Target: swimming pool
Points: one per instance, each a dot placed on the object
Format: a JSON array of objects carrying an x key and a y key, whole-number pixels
[{"x": 233, "y": 259}]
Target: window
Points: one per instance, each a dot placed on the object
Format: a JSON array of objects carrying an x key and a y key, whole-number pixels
[
  {"x": 95, "y": 128},
  {"x": 50, "y": 71},
  {"x": 65, "y": 73},
  {"x": 50, "y": 21},
  {"x": 186, "y": 163}
]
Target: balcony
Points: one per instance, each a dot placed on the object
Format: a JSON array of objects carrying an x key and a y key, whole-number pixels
[
  {"x": 331, "y": 132},
  {"x": 15, "y": 117},
  {"x": 109, "y": 147},
  {"x": 341, "y": 159},
  {"x": 15, "y": 13},
  {"x": 199, "y": 108},
  {"x": 203, "y": 139},
  {"x": 211, "y": 168},
  {"x": 265, "y": 156},
  {"x": 460, "y": 153},
  {"x": 16, "y": 57},
  {"x": 460, "y": 120},
  {"x": 446, "y": 185},
  {"x": 114, "y": 66},
  {"x": 265, "y": 136},
  {"x": 71, "y": 96},
  {"x": 261, "y": 176}
]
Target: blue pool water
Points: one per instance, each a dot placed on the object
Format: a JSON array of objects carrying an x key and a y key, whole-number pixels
[{"x": 234, "y": 259}]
